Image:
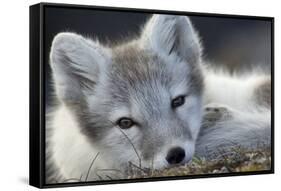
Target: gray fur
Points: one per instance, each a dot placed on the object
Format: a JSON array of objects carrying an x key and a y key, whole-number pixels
[
  {"x": 97, "y": 85},
  {"x": 263, "y": 93},
  {"x": 224, "y": 130}
]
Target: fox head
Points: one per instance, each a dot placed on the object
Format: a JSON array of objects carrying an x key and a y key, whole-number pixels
[{"x": 140, "y": 100}]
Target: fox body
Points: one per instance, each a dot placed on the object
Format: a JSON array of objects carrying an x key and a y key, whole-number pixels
[{"x": 150, "y": 102}]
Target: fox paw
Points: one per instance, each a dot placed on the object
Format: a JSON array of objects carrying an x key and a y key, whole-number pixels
[{"x": 214, "y": 114}]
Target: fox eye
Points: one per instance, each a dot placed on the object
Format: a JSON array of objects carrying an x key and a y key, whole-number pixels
[
  {"x": 125, "y": 123},
  {"x": 178, "y": 101}
]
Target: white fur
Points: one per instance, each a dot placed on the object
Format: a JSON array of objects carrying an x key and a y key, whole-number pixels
[
  {"x": 73, "y": 152},
  {"x": 234, "y": 91},
  {"x": 67, "y": 140},
  {"x": 160, "y": 33},
  {"x": 248, "y": 130},
  {"x": 88, "y": 59},
  {"x": 249, "y": 125}
]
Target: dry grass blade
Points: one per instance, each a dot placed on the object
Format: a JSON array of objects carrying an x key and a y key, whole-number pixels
[
  {"x": 116, "y": 170},
  {"x": 91, "y": 166},
  {"x": 137, "y": 167},
  {"x": 109, "y": 177},
  {"x": 132, "y": 146},
  {"x": 71, "y": 179}
]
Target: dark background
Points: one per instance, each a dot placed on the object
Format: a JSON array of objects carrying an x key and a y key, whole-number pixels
[{"x": 234, "y": 43}]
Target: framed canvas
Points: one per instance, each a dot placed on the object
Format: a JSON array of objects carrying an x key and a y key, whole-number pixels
[{"x": 123, "y": 95}]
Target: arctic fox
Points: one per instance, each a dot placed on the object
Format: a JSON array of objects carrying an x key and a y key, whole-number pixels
[{"x": 150, "y": 102}]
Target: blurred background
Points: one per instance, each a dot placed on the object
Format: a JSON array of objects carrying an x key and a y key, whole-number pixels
[{"x": 237, "y": 44}]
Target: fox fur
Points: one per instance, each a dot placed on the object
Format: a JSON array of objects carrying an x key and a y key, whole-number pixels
[{"x": 96, "y": 85}]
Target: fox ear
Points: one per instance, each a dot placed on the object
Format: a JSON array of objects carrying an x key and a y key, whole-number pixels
[
  {"x": 171, "y": 34},
  {"x": 76, "y": 63}
]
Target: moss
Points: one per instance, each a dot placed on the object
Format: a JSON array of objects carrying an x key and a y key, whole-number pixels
[{"x": 240, "y": 161}]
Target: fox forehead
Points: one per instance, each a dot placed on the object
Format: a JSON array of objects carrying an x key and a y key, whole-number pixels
[{"x": 144, "y": 72}]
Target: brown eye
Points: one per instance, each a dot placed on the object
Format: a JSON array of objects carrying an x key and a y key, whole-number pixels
[
  {"x": 178, "y": 101},
  {"x": 125, "y": 123}
]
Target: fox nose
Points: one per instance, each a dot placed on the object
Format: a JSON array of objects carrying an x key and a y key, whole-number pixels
[{"x": 175, "y": 155}]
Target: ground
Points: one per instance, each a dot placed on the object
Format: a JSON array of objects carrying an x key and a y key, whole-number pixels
[{"x": 241, "y": 161}]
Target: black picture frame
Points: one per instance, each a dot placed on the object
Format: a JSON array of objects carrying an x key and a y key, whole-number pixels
[{"x": 38, "y": 94}]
